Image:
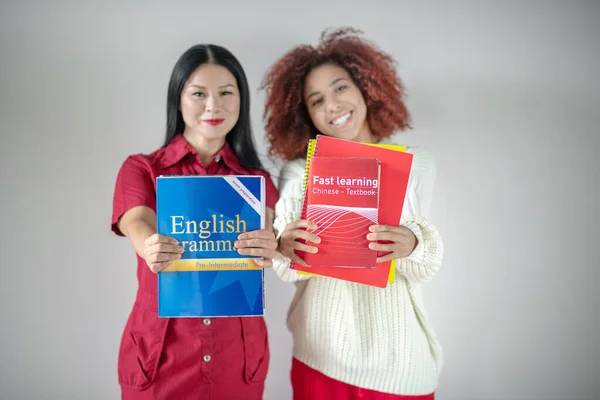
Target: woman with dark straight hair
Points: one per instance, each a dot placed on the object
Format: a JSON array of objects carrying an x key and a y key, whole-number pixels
[
  {"x": 208, "y": 133},
  {"x": 240, "y": 137}
]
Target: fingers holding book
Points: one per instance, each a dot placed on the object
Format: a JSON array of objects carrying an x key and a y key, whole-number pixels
[
  {"x": 400, "y": 241},
  {"x": 298, "y": 230},
  {"x": 160, "y": 251},
  {"x": 260, "y": 243}
]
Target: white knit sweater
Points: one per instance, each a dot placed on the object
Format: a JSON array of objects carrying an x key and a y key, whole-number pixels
[{"x": 373, "y": 338}]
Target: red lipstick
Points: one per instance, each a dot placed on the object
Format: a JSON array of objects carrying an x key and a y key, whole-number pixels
[{"x": 214, "y": 122}]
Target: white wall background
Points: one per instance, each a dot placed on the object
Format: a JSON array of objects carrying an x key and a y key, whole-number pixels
[{"x": 505, "y": 94}]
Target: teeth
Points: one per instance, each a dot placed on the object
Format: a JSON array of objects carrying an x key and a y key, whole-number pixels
[{"x": 341, "y": 119}]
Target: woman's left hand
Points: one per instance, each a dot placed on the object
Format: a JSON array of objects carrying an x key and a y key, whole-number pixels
[
  {"x": 259, "y": 243},
  {"x": 403, "y": 241}
]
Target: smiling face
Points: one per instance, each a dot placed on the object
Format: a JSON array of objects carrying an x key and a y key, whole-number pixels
[
  {"x": 210, "y": 102},
  {"x": 336, "y": 105}
]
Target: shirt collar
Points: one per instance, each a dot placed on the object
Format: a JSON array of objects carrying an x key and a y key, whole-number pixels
[{"x": 179, "y": 148}]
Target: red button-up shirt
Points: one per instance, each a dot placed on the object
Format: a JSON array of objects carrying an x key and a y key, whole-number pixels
[{"x": 184, "y": 358}]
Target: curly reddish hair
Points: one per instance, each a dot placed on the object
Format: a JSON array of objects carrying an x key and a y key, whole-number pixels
[{"x": 288, "y": 123}]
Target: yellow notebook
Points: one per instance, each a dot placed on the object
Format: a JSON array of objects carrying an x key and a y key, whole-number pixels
[{"x": 310, "y": 152}]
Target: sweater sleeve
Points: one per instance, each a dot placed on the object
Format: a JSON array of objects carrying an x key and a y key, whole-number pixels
[
  {"x": 288, "y": 209},
  {"x": 424, "y": 262}
]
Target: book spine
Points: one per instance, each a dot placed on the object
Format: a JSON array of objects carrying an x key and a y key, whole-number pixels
[{"x": 311, "y": 151}]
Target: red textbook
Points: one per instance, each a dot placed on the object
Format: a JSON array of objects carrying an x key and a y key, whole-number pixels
[
  {"x": 395, "y": 171},
  {"x": 342, "y": 199}
]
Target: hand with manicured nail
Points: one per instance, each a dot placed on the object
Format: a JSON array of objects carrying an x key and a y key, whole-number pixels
[{"x": 403, "y": 241}]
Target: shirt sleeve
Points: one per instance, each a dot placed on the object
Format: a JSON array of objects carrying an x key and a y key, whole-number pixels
[
  {"x": 134, "y": 187},
  {"x": 424, "y": 262},
  {"x": 288, "y": 209}
]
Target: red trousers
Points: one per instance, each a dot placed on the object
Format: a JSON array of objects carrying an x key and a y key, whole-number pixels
[{"x": 309, "y": 384}]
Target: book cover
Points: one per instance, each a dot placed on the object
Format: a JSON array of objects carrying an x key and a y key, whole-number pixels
[
  {"x": 206, "y": 214},
  {"x": 396, "y": 166},
  {"x": 342, "y": 199}
]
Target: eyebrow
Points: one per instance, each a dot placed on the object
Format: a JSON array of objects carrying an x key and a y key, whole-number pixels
[
  {"x": 220, "y": 87},
  {"x": 330, "y": 85}
]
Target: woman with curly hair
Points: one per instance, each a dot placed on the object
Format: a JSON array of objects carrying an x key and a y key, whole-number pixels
[{"x": 352, "y": 340}]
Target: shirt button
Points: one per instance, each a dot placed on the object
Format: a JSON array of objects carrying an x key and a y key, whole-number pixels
[
  {"x": 218, "y": 158},
  {"x": 207, "y": 322},
  {"x": 207, "y": 358}
]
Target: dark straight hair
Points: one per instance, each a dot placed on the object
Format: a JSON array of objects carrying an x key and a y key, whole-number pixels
[{"x": 240, "y": 138}]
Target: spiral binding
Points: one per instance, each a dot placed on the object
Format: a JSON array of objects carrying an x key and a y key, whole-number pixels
[{"x": 310, "y": 152}]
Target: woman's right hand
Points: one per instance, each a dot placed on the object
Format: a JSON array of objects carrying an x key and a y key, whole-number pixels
[
  {"x": 160, "y": 251},
  {"x": 288, "y": 241}
]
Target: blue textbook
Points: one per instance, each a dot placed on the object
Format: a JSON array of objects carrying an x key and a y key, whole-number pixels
[{"x": 206, "y": 214}]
